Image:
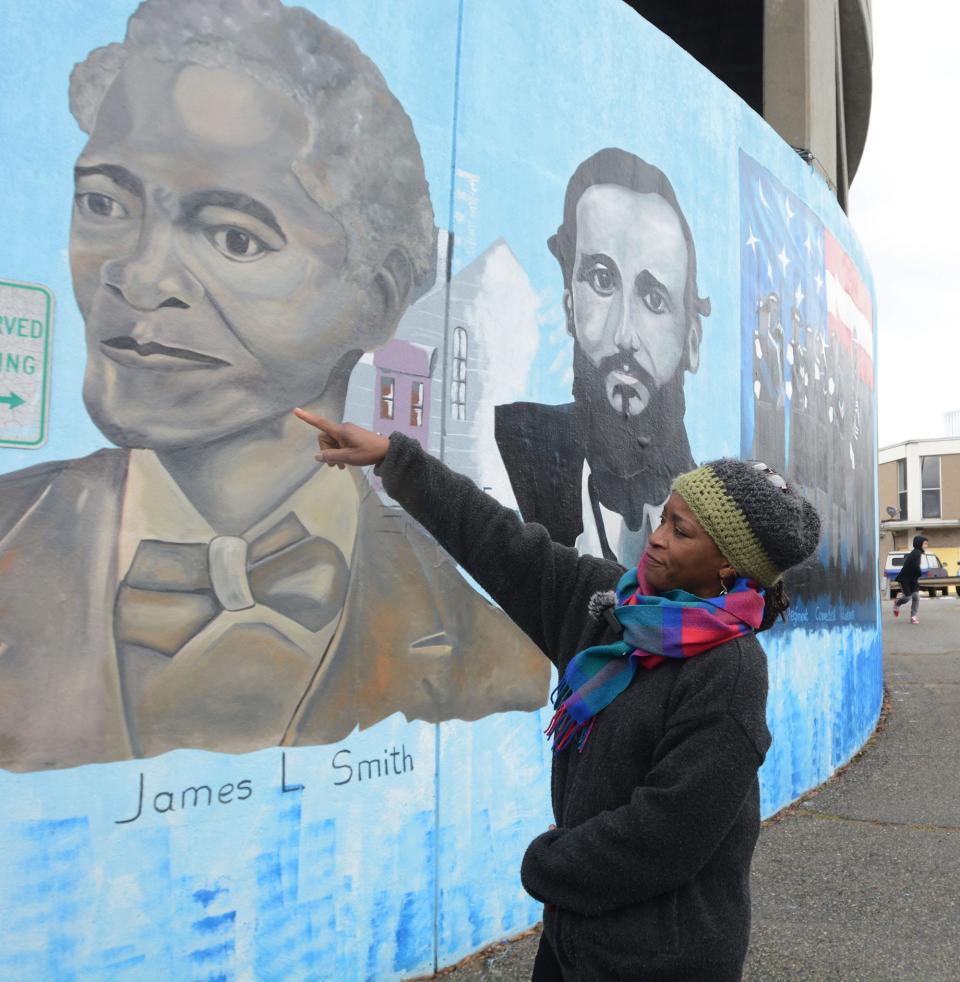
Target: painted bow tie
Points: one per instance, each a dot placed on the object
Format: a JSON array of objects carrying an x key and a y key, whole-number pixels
[{"x": 173, "y": 590}]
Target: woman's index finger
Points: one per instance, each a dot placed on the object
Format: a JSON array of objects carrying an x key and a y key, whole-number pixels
[{"x": 316, "y": 421}]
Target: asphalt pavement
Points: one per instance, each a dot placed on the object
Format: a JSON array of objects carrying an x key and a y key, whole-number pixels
[{"x": 860, "y": 882}]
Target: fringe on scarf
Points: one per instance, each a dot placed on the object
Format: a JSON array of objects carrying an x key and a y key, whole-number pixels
[{"x": 563, "y": 727}]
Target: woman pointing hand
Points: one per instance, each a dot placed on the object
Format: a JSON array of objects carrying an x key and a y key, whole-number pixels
[
  {"x": 345, "y": 443},
  {"x": 659, "y": 724}
]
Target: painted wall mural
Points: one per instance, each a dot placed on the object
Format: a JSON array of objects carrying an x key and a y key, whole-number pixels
[
  {"x": 807, "y": 330},
  {"x": 254, "y": 723},
  {"x": 219, "y": 608},
  {"x": 596, "y": 472}
]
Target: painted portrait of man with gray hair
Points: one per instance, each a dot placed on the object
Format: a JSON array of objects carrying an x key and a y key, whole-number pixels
[{"x": 251, "y": 215}]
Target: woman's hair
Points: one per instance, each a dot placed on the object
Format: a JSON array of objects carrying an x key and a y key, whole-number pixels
[{"x": 776, "y": 603}]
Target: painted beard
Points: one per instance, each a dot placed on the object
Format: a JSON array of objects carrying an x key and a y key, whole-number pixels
[{"x": 620, "y": 434}]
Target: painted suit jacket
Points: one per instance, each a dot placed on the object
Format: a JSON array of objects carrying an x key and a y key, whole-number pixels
[
  {"x": 413, "y": 637},
  {"x": 543, "y": 454},
  {"x": 544, "y": 461}
]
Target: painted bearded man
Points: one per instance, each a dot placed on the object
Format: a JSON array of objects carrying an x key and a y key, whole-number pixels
[{"x": 596, "y": 471}]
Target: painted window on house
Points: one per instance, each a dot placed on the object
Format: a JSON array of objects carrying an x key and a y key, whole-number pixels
[
  {"x": 387, "y": 393},
  {"x": 458, "y": 387},
  {"x": 416, "y": 404},
  {"x": 930, "y": 486}
]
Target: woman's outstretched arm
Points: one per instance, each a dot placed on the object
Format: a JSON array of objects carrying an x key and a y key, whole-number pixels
[{"x": 528, "y": 575}]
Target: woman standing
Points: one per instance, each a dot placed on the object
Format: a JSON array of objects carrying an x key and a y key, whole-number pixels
[{"x": 660, "y": 722}]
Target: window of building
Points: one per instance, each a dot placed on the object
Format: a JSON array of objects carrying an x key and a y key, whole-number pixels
[
  {"x": 387, "y": 390},
  {"x": 930, "y": 486},
  {"x": 902, "y": 488},
  {"x": 416, "y": 404},
  {"x": 458, "y": 387}
]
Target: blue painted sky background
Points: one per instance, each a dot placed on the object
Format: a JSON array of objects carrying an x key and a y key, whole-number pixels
[{"x": 329, "y": 883}]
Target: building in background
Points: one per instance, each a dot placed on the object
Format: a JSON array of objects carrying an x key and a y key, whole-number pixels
[
  {"x": 919, "y": 490},
  {"x": 804, "y": 65},
  {"x": 951, "y": 423}
]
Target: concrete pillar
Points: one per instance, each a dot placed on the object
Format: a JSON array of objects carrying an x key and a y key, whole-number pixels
[
  {"x": 800, "y": 78},
  {"x": 843, "y": 170}
]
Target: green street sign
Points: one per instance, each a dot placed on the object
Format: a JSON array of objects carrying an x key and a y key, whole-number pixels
[{"x": 26, "y": 341}]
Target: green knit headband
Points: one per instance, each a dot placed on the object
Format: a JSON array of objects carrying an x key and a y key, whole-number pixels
[{"x": 725, "y": 523}]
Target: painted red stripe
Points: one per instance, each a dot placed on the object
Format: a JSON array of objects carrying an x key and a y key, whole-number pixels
[{"x": 848, "y": 276}]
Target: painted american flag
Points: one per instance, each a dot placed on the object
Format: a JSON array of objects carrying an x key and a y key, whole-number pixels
[{"x": 807, "y": 367}]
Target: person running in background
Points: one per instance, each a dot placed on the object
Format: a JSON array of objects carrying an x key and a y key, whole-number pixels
[
  {"x": 909, "y": 580},
  {"x": 660, "y": 724}
]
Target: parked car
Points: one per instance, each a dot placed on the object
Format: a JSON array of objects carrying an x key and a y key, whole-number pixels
[{"x": 931, "y": 570}]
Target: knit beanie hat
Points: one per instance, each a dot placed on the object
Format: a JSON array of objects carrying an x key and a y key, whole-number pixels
[{"x": 760, "y": 524}]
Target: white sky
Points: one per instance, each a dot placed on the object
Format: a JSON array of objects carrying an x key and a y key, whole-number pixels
[{"x": 903, "y": 205}]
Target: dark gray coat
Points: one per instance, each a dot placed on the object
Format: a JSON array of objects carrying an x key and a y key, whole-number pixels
[{"x": 657, "y": 819}]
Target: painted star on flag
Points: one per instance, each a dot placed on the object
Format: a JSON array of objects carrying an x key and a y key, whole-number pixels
[
  {"x": 763, "y": 200},
  {"x": 752, "y": 241},
  {"x": 818, "y": 279},
  {"x": 790, "y": 212},
  {"x": 798, "y": 295},
  {"x": 783, "y": 258}
]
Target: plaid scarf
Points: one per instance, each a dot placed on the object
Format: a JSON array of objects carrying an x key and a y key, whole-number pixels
[{"x": 675, "y": 624}]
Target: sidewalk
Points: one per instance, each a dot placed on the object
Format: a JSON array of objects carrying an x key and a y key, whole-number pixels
[{"x": 860, "y": 883}]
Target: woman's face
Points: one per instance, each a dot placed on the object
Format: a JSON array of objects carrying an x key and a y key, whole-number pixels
[{"x": 681, "y": 556}]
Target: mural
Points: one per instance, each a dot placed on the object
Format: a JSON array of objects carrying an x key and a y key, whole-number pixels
[
  {"x": 808, "y": 407},
  {"x": 596, "y": 472},
  {"x": 254, "y": 724},
  {"x": 251, "y": 214}
]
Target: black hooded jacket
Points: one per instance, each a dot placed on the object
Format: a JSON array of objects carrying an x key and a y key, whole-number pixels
[{"x": 909, "y": 574}]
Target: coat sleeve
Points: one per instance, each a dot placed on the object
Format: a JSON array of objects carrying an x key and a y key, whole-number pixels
[
  {"x": 532, "y": 578},
  {"x": 703, "y": 771}
]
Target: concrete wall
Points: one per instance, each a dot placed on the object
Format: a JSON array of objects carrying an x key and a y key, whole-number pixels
[
  {"x": 818, "y": 81},
  {"x": 216, "y": 764},
  {"x": 887, "y": 489}
]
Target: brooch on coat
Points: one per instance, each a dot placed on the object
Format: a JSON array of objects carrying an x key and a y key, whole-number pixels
[{"x": 601, "y": 606}]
